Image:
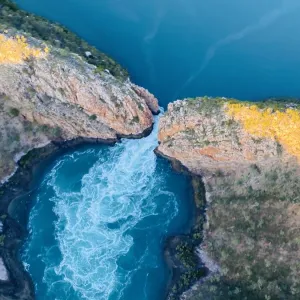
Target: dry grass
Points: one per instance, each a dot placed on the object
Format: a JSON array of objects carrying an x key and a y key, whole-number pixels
[
  {"x": 283, "y": 126},
  {"x": 16, "y": 50},
  {"x": 254, "y": 234}
]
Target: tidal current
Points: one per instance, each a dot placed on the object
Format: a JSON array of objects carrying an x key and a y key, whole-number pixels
[
  {"x": 99, "y": 222},
  {"x": 100, "y": 215}
]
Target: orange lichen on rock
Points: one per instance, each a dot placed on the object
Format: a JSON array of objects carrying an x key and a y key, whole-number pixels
[
  {"x": 211, "y": 152},
  {"x": 15, "y": 50},
  {"x": 283, "y": 126}
]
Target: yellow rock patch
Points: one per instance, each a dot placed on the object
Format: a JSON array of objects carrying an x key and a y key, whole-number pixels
[
  {"x": 283, "y": 126},
  {"x": 16, "y": 50}
]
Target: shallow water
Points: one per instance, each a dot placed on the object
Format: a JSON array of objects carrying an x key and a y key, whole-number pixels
[{"x": 101, "y": 214}]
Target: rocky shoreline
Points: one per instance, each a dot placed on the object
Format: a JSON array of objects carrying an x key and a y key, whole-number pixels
[
  {"x": 247, "y": 154},
  {"x": 186, "y": 266},
  {"x": 56, "y": 88},
  {"x": 214, "y": 184},
  {"x": 19, "y": 284},
  {"x": 64, "y": 98},
  {"x": 242, "y": 159}
]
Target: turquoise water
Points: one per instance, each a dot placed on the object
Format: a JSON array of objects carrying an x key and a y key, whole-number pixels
[
  {"x": 101, "y": 214},
  {"x": 99, "y": 222}
]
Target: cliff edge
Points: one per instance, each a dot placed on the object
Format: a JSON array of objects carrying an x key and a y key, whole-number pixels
[
  {"x": 56, "y": 91},
  {"x": 47, "y": 94},
  {"x": 248, "y": 156}
]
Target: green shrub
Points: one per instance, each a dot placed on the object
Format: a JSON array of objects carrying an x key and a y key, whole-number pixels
[
  {"x": 93, "y": 117},
  {"x": 56, "y": 132},
  {"x": 135, "y": 119},
  {"x": 57, "y": 35},
  {"x": 14, "y": 112}
]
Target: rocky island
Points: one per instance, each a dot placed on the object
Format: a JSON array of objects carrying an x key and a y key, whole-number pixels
[{"x": 247, "y": 155}]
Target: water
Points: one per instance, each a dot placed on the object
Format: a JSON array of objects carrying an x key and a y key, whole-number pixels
[
  {"x": 99, "y": 221},
  {"x": 100, "y": 215},
  {"x": 176, "y": 48}
]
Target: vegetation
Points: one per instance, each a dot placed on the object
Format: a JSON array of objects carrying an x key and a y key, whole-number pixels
[
  {"x": 254, "y": 234},
  {"x": 214, "y": 103},
  {"x": 280, "y": 104},
  {"x": 11, "y": 17},
  {"x": 135, "y": 119},
  {"x": 16, "y": 50},
  {"x": 185, "y": 253},
  {"x": 93, "y": 117},
  {"x": 206, "y": 105},
  {"x": 188, "y": 265},
  {"x": 14, "y": 112},
  {"x": 269, "y": 123},
  {"x": 253, "y": 214}
]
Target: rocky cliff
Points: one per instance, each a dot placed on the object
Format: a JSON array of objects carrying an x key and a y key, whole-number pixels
[
  {"x": 248, "y": 157},
  {"x": 49, "y": 94}
]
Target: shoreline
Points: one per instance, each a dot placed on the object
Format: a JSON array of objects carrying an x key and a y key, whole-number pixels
[
  {"x": 18, "y": 184},
  {"x": 22, "y": 183},
  {"x": 180, "y": 251}
]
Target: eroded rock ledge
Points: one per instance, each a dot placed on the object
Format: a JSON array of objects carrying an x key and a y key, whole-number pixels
[
  {"x": 248, "y": 156},
  {"x": 59, "y": 96}
]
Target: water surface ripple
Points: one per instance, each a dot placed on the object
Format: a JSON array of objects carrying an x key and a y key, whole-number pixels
[{"x": 109, "y": 221}]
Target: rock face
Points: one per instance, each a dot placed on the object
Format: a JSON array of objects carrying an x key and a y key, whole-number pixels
[
  {"x": 250, "y": 168},
  {"x": 58, "y": 95}
]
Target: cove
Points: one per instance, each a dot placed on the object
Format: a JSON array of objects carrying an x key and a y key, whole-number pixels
[
  {"x": 99, "y": 220},
  {"x": 82, "y": 247}
]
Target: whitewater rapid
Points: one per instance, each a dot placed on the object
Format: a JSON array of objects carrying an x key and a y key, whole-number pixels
[{"x": 94, "y": 220}]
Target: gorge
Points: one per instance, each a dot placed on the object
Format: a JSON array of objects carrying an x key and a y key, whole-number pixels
[{"x": 80, "y": 246}]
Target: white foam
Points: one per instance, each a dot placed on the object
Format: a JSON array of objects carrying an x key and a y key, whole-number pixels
[
  {"x": 3, "y": 271},
  {"x": 120, "y": 188}
]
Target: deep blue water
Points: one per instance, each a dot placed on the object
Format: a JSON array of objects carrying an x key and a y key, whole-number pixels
[
  {"x": 101, "y": 214},
  {"x": 246, "y": 49}
]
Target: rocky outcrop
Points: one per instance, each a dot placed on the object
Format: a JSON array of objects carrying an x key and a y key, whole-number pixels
[
  {"x": 57, "y": 95},
  {"x": 247, "y": 155},
  {"x": 149, "y": 98}
]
